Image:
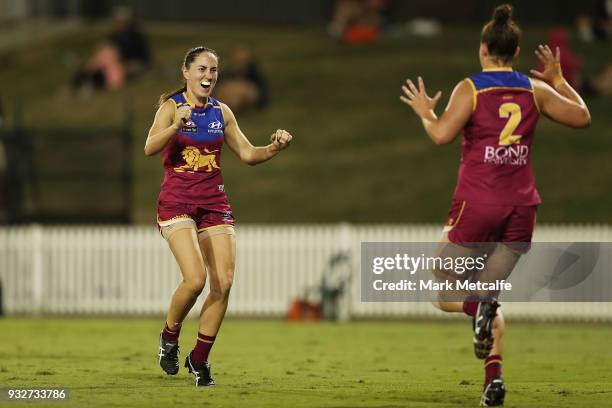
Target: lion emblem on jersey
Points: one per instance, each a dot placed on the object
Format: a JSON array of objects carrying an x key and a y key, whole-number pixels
[{"x": 195, "y": 160}]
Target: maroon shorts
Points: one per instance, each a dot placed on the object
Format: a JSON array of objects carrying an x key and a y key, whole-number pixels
[
  {"x": 203, "y": 216},
  {"x": 472, "y": 223}
]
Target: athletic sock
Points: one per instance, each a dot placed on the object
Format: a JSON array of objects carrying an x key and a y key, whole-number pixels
[
  {"x": 202, "y": 348},
  {"x": 171, "y": 335},
  {"x": 470, "y": 305},
  {"x": 493, "y": 368}
]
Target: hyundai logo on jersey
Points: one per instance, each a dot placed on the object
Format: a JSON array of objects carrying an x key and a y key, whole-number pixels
[{"x": 215, "y": 125}]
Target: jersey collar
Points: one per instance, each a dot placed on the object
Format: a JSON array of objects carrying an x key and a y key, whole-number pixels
[
  {"x": 208, "y": 102},
  {"x": 497, "y": 69}
]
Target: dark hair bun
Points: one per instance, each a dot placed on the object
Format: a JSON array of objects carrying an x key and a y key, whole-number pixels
[{"x": 502, "y": 14}]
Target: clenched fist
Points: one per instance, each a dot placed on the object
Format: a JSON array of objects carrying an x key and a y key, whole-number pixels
[{"x": 281, "y": 139}]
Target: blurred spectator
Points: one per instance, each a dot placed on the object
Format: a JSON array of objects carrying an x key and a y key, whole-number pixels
[
  {"x": 570, "y": 63},
  {"x": 598, "y": 26},
  {"x": 116, "y": 59},
  {"x": 572, "y": 68},
  {"x": 359, "y": 21},
  {"x": 103, "y": 70},
  {"x": 131, "y": 42},
  {"x": 603, "y": 19},
  {"x": 242, "y": 86},
  {"x": 602, "y": 84}
]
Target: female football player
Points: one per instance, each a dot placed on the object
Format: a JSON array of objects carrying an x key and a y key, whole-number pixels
[
  {"x": 495, "y": 199},
  {"x": 193, "y": 212}
]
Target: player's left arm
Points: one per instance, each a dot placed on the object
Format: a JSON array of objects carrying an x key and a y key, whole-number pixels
[
  {"x": 555, "y": 96},
  {"x": 446, "y": 128},
  {"x": 242, "y": 147}
]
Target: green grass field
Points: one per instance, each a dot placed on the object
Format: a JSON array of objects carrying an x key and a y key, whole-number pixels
[
  {"x": 111, "y": 363},
  {"x": 358, "y": 154}
]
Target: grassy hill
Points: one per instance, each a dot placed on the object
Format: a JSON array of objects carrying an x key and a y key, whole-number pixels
[{"x": 358, "y": 155}]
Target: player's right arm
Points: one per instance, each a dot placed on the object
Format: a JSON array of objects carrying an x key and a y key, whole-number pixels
[
  {"x": 167, "y": 122},
  {"x": 554, "y": 95},
  {"x": 446, "y": 128}
]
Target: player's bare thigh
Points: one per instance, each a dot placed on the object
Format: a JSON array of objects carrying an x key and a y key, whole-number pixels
[
  {"x": 218, "y": 247},
  {"x": 452, "y": 300},
  {"x": 183, "y": 242}
]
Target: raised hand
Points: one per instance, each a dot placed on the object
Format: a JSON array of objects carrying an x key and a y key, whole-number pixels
[
  {"x": 552, "y": 73},
  {"x": 418, "y": 99}
]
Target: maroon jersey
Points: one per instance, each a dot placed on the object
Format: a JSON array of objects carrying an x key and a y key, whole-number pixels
[
  {"x": 496, "y": 159},
  {"x": 192, "y": 159}
]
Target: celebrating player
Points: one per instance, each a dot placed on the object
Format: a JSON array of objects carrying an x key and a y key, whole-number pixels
[
  {"x": 495, "y": 199},
  {"x": 193, "y": 212}
]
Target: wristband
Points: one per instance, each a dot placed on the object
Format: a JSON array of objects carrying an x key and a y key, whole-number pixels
[{"x": 558, "y": 81}]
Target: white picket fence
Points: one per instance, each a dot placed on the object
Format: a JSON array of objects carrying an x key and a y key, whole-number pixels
[{"x": 130, "y": 270}]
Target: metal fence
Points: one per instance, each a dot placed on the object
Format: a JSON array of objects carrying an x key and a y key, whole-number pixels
[{"x": 130, "y": 270}]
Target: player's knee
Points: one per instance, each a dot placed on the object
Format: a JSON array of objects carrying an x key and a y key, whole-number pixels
[
  {"x": 439, "y": 273},
  {"x": 221, "y": 290},
  {"x": 195, "y": 284},
  {"x": 225, "y": 286},
  {"x": 448, "y": 306},
  {"x": 442, "y": 305}
]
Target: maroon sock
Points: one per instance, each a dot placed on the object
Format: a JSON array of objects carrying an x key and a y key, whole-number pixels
[
  {"x": 470, "y": 305},
  {"x": 493, "y": 368},
  {"x": 202, "y": 348},
  {"x": 171, "y": 335}
]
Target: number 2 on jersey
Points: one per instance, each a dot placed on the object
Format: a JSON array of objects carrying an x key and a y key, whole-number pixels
[{"x": 513, "y": 111}]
